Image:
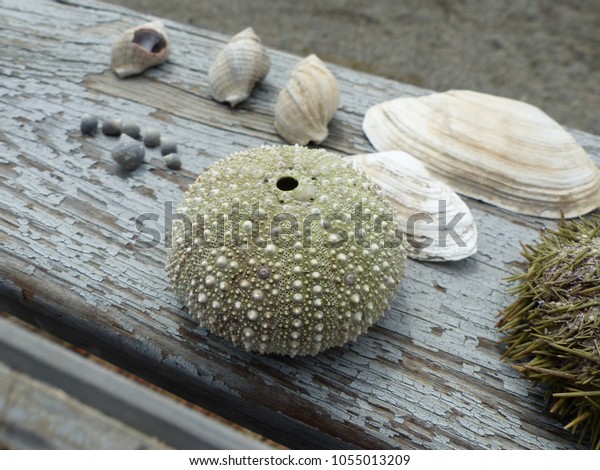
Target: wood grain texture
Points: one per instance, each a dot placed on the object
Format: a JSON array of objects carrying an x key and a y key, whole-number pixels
[{"x": 428, "y": 375}]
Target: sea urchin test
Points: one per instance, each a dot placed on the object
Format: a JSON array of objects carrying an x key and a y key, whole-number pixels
[{"x": 285, "y": 250}]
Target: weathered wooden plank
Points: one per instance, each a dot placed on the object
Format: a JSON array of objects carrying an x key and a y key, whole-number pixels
[
  {"x": 98, "y": 393},
  {"x": 37, "y": 416},
  {"x": 427, "y": 375}
]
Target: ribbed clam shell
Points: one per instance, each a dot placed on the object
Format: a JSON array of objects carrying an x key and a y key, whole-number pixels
[
  {"x": 501, "y": 151},
  {"x": 307, "y": 103},
  {"x": 140, "y": 48},
  {"x": 242, "y": 64},
  {"x": 437, "y": 223}
]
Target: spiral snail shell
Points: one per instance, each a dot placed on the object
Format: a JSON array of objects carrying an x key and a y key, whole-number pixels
[
  {"x": 140, "y": 48},
  {"x": 242, "y": 64},
  {"x": 307, "y": 103}
]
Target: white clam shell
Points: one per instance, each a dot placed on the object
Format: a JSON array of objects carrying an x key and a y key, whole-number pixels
[
  {"x": 307, "y": 103},
  {"x": 140, "y": 48},
  {"x": 501, "y": 151},
  {"x": 242, "y": 64},
  {"x": 438, "y": 224}
]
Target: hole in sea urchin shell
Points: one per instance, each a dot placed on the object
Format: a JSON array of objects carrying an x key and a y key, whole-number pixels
[
  {"x": 149, "y": 40},
  {"x": 287, "y": 183}
]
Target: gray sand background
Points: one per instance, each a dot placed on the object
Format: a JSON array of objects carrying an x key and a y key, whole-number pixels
[{"x": 544, "y": 52}]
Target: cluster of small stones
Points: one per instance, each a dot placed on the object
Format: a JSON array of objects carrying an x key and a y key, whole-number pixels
[
  {"x": 553, "y": 327},
  {"x": 126, "y": 153},
  {"x": 276, "y": 289}
]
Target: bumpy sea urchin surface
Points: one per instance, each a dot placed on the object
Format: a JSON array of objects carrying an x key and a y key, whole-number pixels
[
  {"x": 285, "y": 250},
  {"x": 554, "y": 325}
]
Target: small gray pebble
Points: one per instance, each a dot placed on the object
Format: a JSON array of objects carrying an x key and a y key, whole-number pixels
[
  {"x": 168, "y": 146},
  {"x": 128, "y": 153},
  {"x": 172, "y": 161},
  {"x": 131, "y": 129},
  {"x": 89, "y": 124},
  {"x": 111, "y": 127},
  {"x": 151, "y": 138}
]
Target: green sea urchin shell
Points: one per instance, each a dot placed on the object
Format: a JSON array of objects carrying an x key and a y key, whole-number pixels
[
  {"x": 554, "y": 325},
  {"x": 272, "y": 252}
]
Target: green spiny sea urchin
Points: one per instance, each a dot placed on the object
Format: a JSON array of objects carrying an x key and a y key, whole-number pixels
[
  {"x": 285, "y": 250},
  {"x": 554, "y": 325}
]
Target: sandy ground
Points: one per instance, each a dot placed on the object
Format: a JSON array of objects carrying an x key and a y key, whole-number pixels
[{"x": 544, "y": 52}]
